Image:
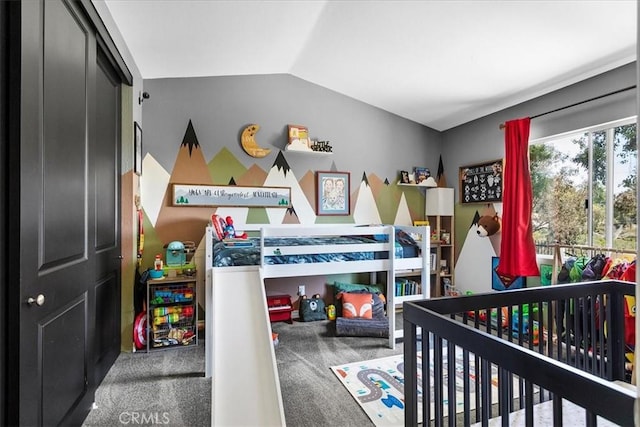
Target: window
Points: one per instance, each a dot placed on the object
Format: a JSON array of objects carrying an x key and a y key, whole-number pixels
[{"x": 584, "y": 187}]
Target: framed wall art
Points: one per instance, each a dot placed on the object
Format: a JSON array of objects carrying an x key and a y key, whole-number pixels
[
  {"x": 230, "y": 195},
  {"x": 481, "y": 183},
  {"x": 299, "y": 136},
  {"x": 420, "y": 174},
  {"x": 332, "y": 193}
]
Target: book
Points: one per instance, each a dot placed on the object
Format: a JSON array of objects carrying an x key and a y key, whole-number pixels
[{"x": 420, "y": 174}]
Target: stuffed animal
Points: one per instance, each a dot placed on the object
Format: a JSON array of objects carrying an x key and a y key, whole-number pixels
[
  {"x": 488, "y": 225},
  {"x": 312, "y": 309}
]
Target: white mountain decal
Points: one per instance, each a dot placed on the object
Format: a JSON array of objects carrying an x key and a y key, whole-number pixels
[
  {"x": 154, "y": 182},
  {"x": 281, "y": 175},
  {"x": 365, "y": 210},
  {"x": 473, "y": 266}
]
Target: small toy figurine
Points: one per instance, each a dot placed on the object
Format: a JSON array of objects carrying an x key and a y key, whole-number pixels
[{"x": 230, "y": 231}]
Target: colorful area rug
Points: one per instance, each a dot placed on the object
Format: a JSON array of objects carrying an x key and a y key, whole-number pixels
[{"x": 378, "y": 386}]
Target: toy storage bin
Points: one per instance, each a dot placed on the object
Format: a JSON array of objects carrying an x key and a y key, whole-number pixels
[{"x": 172, "y": 313}]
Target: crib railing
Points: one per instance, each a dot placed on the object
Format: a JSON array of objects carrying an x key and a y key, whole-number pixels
[{"x": 560, "y": 347}]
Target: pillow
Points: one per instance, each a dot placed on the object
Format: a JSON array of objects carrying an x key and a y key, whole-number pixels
[
  {"x": 357, "y": 305},
  {"x": 353, "y": 287}
]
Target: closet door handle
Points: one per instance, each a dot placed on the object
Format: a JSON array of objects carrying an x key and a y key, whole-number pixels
[{"x": 39, "y": 300}]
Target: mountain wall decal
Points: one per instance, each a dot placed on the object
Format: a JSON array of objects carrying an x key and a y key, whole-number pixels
[
  {"x": 190, "y": 139},
  {"x": 185, "y": 223}
]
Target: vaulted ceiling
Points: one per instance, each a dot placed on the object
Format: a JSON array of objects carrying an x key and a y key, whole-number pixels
[{"x": 439, "y": 63}]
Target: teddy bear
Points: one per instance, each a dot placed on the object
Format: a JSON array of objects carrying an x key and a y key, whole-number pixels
[{"x": 488, "y": 225}]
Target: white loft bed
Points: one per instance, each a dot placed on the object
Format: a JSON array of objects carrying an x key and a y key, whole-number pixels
[{"x": 239, "y": 351}]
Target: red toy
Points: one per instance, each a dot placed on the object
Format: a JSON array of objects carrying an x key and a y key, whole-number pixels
[
  {"x": 224, "y": 228},
  {"x": 230, "y": 231}
]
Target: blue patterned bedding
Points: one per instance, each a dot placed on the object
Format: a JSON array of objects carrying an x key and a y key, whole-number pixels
[{"x": 242, "y": 256}]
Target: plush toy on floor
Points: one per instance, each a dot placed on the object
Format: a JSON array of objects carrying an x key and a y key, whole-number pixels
[{"x": 312, "y": 309}]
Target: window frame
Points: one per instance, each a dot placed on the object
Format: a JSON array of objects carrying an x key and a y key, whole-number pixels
[{"x": 609, "y": 128}]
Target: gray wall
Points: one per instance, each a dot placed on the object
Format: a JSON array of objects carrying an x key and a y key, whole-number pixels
[
  {"x": 482, "y": 139},
  {"x": 364, "y": 138}
]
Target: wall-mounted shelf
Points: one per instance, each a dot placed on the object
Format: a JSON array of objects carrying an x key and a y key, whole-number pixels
[
  {"x": 308, "y": 152},
  {"x": 414, "y": 185}
]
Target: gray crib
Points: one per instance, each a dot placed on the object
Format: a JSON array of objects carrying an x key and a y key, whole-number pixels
[{"x": 536, "y": 356}]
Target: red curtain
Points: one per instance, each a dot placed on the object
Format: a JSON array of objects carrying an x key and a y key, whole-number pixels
[{"x": 517, "y": 250}]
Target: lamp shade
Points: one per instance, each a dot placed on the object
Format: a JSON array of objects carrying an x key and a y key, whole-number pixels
[{"x": 439, "y": 201}]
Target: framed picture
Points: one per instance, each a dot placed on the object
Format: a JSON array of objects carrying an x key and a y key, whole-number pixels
[
  {"x": 332, "y": 193},
  {"x": 137, "y": 148},
  {"x": 404, "y": 177},
  {"x": 503, "y": 283},
  {"x": 420, "y": 174},
  {"x": 230, "y": 195},
  {"x": 481, "y": 183},
  {"x": 299, "y": 136}
]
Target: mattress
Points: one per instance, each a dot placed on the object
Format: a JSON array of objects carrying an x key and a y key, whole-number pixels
[{"x": 226, "y": 256}]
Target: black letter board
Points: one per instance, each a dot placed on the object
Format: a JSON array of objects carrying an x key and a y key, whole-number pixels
[{"x": 481, "y": 183}]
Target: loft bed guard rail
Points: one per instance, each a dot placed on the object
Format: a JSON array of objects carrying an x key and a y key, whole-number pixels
[
  {"x": 508, "y": 364},
  {"x": 381, "y": 258}
]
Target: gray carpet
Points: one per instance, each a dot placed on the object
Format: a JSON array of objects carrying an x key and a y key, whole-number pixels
[
  {"x": 165, "y": 387},
  {"x": 312, "y": 394},
  {"x": 168, "y": 387}
]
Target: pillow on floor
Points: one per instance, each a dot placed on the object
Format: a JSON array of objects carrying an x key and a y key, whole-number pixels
[
  {"x": 378, "y": 304},
  {"x": 357, "y": 305},
  {"x": 351, "y": 287},
  {"x": 356, "y": 287},
  {"x": 362, "y": 327}
]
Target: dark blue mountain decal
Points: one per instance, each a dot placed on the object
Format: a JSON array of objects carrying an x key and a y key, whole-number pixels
[
  {"x": 190, "y": 139},
  {"x": 281, "y": 163}
]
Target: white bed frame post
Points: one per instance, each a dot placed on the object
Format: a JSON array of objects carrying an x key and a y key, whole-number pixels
[{"x": 391, "y": 287}]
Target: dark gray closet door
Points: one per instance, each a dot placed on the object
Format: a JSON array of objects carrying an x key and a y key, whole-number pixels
[
  {"x": 69, "y": 186},
  {"x": 105, "y": 144}
]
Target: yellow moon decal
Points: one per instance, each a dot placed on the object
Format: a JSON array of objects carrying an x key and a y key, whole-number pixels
[{"x": 249, "y": 143}]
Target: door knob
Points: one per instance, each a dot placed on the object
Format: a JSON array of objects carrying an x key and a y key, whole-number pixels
[{"x": 39, "y": 300}]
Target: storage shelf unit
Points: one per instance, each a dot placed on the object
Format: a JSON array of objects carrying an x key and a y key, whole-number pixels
[
  {"x": 415, "y": 289},
  {"x": 417, "y": 286},
  {"x": 172, "y": 313},
  {"x": 445, "y": 253},
  {"x": 439, "y": 210}
]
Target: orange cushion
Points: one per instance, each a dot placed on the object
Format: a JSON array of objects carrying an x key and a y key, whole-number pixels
[{"x": 357, "y": 305}]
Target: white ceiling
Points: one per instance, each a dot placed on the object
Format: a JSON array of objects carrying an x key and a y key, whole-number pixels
[{"x": 439, "y": 63}]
